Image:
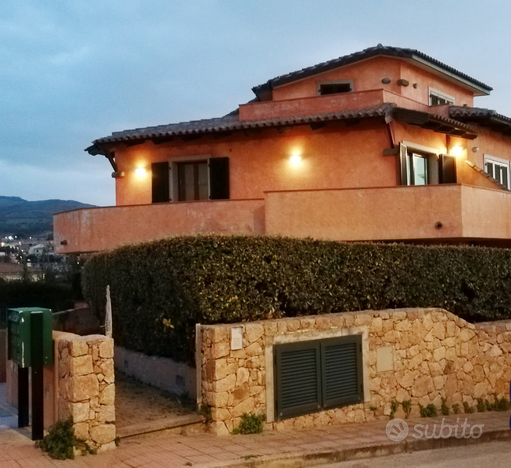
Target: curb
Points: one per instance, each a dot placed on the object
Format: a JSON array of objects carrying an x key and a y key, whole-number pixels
[{"x": 328, "y": 456}]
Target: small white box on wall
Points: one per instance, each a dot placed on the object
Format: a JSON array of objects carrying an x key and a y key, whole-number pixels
[
  {"x": 236, "y": 338},
  {"x": 385, "y": 359}
]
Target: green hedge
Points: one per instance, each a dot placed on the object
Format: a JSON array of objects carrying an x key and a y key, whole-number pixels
[{"x": 161, "y": 289}]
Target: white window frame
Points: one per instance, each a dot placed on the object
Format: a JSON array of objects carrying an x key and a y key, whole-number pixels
[
  {"x": 435, "y": 92},
  {"x": 174, "y": 175},
  {"x": 334, "y": 82},
  {"x": 426, "y": 152},
  {"x": 487, "y": 158}
]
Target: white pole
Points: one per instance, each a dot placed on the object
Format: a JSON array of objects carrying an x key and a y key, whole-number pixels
[{"x": 108, "y": 314}]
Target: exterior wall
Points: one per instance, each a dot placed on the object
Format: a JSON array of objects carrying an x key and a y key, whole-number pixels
[
  {"x": 434, "y": 356},
  {"x": 160, "y": 372},
  {"x": 367, "y": 75},
  {"x": 334, "y": 156},
  {"x": 391, "y": 213},
  {"x": 96, "y": 229},
  {"x": 85, "y": 386}
]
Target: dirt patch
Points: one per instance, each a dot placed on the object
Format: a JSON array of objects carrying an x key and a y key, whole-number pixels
[{"x": 136, "y": 402}]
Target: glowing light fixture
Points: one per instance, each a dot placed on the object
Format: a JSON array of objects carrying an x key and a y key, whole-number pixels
[
  {"x": 140, "y": 171},
  {"x": 456, "y": 151}
]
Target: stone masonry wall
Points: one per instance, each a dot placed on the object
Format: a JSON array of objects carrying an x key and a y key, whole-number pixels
[
  {"x": 86, "y": 386},
  {"x": 421, "y": 355}
]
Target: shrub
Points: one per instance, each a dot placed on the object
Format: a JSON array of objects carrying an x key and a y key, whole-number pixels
[
  {"x": 444, "y": 408},
  {"x": 429, "y": 411},
  {"x": 213, "y": 279},
  {"x": 456, "y": 409},
  {"x": 407, "y": 407},
  {"x": 61, "y": 441},
  {"x": 250, "y": 424},
  {"x": 468, "y": 409}
]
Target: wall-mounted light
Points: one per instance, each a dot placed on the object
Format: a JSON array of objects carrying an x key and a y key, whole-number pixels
[
  {"x": 456, "y": 151},
  {"x": 475, "y": 149},
  {"x": 140, "y": 172},
  {"x": 295, "y": 159}
]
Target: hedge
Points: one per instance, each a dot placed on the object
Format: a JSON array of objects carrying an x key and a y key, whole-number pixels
[{"x": 161, "y": 289}]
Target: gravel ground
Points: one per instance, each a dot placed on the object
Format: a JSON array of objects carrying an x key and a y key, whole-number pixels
[{"x": 136, "y": 402}]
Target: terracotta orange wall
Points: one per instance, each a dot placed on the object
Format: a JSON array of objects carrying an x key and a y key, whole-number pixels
[
  {"x": 425, "y": 80},
  {"x": 367, "y": 75},
  {"x": 394, "y": 213},
  {"x": 90, "y": 230},
  {"x": 334, "y": 156},
  {"x": 391, "y": 213}
]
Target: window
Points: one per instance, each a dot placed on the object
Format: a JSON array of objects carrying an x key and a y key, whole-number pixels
[
  {"x": 189, "y": 179},
  {"x": 437, "y": 98},
  {"x": 317, "y": 375},
  {"x": 192, "y": 181},
  {"x": 420, "y": 165},
  {"x": 335, "y": 87},
  {"x": 498, "y": 169}
]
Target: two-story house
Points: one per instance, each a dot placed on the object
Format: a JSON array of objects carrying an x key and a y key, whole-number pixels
[{"x": 380, "y": 145}]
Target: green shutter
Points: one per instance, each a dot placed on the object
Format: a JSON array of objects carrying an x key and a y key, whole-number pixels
[
  {"x": 219, "y": 179},
  {"x": 298, "y": 380},
  {"x": 160, "y": 182},
  {"x": 447, "y": 169},
  {"x": 341, "y": 371}
]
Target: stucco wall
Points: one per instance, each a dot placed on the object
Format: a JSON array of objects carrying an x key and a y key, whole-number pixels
[
  {"x": 434, "y": 355},
  {"x": 165, "y": 373}
]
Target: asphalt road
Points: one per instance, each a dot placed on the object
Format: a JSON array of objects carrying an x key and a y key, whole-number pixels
[{"x": 490, "y": 455}]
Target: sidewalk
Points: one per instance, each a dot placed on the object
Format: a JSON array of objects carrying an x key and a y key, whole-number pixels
[{"x": 298, "y": 448}]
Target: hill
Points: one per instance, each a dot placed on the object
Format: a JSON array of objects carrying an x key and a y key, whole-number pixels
[{"x": 27, "y": 218}]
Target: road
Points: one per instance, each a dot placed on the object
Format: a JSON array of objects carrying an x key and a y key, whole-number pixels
[{"x": 489, "y": 455}]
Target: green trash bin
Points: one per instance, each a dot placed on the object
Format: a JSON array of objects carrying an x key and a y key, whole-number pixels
[{"x": 19, "y": 335}]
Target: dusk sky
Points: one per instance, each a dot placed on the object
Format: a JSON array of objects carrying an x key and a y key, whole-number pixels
[{"x": 73, "y": 71}]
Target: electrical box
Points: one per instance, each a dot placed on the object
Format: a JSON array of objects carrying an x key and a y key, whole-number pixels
[{"x": 20, "y": 335}]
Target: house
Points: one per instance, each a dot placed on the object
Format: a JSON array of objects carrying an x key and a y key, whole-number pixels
[{"x": 380, "y": 145}]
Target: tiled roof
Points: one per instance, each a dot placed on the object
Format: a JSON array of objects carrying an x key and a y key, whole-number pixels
[
  {"x": 231, "y": 122},
  {"x": 365, "y": 54},
  {"x": 487, "y": 117}
]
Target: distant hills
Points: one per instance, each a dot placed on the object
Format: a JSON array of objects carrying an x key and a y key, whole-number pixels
[{"x": 28, "y": 218}]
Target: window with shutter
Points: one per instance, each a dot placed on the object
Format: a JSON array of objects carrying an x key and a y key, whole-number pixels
[
  {"x": 314, "y": 375},
  {"x": 160, "y": 182},
  {"x": 447, "y": 169},
  {"x": 219, "y": 179}
]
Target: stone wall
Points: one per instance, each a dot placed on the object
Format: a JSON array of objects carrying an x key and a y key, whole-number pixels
[
  {"x": 85, "y": 384},
  {"x": 422, "y": 355}
]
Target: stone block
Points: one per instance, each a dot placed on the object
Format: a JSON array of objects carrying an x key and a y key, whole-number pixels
[
  {"x": 246, "y": 406},
  {"x": 79, "y": 411},
  {"x": 83, "y": 387},
  {"x": 106, "y": 413},
  {"x": 102, "y": 434},
  {"x": 242, "y": 376},
  {"x": 218, "y": 428},
  {"x": 255, "y": 349},
  {"x": 466, "y": 335},
  {"x": 221, "y": 349},
  {"x": 107, "y": 395},
  {"x": 253, "y": 331},
  {"x": 106, "y": 349},
  {"x": 82, "y": 431},
  {"x": 422, "y": 386},
  {"x": 217, "y": 399},
  {"x": 81, "y": 365},
  {"x": 78, "y": 347},
  {"x": 225, "y": 385}
]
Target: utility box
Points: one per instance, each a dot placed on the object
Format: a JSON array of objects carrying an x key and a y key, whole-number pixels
[{"x": 19, "y": 335}]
